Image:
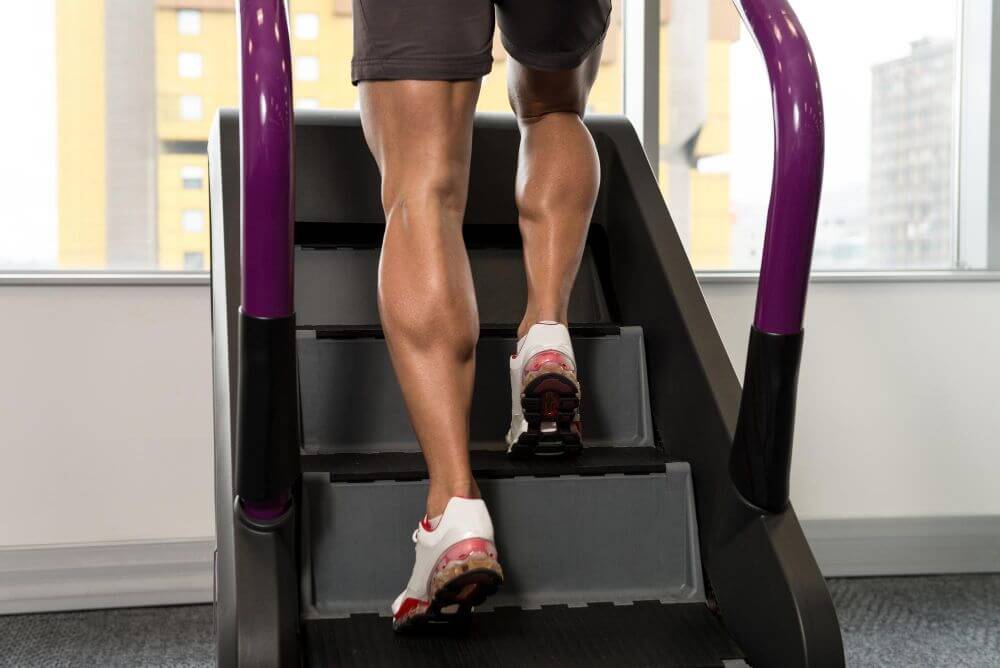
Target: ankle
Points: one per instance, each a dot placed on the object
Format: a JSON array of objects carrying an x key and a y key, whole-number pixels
[
  {"x": 440, "y": 494},
  {"x": 529, "y": 322}
]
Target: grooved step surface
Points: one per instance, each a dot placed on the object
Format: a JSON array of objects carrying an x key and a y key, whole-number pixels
[
  {"x": 643, "y": 634},
  {"x": 363, "y": 467},
  {"x": 562, "y": 540},
  {"x": 351, "y": 401}
]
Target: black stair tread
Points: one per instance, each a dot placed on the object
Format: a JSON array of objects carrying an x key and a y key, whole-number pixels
[
  {"x": 504, "y": 330},
  {"x": 364, "y": 467},
  {"x": 643, "y": 634}
]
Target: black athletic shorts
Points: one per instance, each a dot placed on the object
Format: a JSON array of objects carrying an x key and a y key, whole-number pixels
[{"x": 448, "y": 40}]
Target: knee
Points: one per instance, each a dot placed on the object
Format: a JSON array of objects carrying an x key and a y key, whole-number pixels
[{"x": 431, "y": 193}]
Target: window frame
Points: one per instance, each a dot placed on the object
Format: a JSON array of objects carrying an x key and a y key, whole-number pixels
[{"x": 977, "y": 201}]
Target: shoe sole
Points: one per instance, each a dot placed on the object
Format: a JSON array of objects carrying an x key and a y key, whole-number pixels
[
  {"x": 456, "y": 590},
  {"x": 550, "y": 404}
]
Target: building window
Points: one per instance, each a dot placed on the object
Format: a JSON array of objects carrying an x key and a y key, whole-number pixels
[
  {"x": 307, "y": 68},
  {"x": 191, "y": 107},
  {"x": 192, "y": 178},
  {"x": 189, "y": 22},
  {"x": 189, "y": 65},
  {"x": 193, "y": 220},
  {"x": 306, "y": 103},
  {"x": 194, "y": 261},
  {"x": 307, "y": 26}
]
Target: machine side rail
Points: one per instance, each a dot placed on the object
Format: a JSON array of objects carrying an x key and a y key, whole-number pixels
[
  {"x": 761, "y": 458},
  {"x": 268, "y": 432},
  {"x": 267, "y": 437}
]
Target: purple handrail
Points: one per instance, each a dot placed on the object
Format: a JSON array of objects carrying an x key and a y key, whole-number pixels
[
  {"x": 798, "y": 164},
  {"x": 266, "y": 137}
]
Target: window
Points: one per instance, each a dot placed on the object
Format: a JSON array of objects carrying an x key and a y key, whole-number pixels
[
  {"x": 307, "y": 26},
  {"x": 100, "y": 116},
  {"x": 192, "y": 178},
  {"x": 892, "y": 93},
  {"x": 194, "y": 261},
  {"x": 189, "y": 65},
  {"x": 189, "y": 22},
  {"x": 193, "y": 220},
  {"x": 891, "y": 157},
  {"x": 191, "y": 107},
  {"x": 307, "y": 68}
]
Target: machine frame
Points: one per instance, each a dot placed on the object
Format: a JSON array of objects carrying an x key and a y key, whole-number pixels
[{"x": 775, "y": 606}]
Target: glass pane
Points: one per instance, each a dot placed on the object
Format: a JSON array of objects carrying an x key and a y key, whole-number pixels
[
  {"x": 890, "y": 86},
  {"x": 111, "y": 168}
]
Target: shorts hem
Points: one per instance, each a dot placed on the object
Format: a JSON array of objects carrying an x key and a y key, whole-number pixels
[
  {"x": 387, "y": 69},
  {"x": 554, "y": 62}
]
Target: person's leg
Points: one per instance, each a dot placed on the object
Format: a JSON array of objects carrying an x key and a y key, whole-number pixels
[
  {"x": 420, "y": 133},
  {"x": 557, "y": 181}
]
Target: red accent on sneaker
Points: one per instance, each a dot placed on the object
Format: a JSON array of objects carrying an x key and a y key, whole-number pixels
[
  {"x": 408, "y": 606},
  {"x": 548, "y": 357},
  {"x": 426, "y": 525},
  {"x": 461, "y": 550}
]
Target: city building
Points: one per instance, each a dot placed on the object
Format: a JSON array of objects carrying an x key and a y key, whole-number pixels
[{"x": 912, "y": 174}]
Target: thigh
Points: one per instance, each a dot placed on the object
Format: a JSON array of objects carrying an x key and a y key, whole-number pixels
[
  {"x": 420, "y": 132},
  {"x": 436, "y": 40},
  {"x": 552, "y": 34}
]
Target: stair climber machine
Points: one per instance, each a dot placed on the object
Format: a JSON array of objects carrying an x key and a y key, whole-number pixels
[{"x": 669, "y": 541}]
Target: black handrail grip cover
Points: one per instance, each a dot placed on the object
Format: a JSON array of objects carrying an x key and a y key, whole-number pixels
[
  {"x": 760, "y": 462},
  {"x": 268, "y": 436}
]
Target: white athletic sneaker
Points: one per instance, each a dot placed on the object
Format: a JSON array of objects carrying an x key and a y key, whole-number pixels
[
  {"x": 456, "y": 567},
  {"x": 545, "y": 394}
]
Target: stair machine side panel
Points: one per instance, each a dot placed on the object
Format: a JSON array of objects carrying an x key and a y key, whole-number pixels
[
  {"x": 695, "y": 397},
  {"x": 224, "y": 189},
  {"x": 562, "y": 540}
]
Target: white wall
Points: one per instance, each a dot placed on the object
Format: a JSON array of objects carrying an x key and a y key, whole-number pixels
[
  {"x": 898, "y": 402},
  {"x": 106, "y": 427},
  {"x": 105, "y": 414}
]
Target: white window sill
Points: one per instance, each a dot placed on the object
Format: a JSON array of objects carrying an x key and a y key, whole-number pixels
[{"x": 71, "y": 278}]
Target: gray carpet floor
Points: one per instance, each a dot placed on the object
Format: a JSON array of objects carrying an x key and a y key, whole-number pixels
[{"x": 925, "y": 621}]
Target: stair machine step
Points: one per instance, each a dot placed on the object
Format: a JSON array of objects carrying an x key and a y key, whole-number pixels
[
  {"x": 336, "y": 281},
  {"x": 643, "y": 634},
  {"x": 351, "y": 402},
  {"x": 562, "y": 540}
]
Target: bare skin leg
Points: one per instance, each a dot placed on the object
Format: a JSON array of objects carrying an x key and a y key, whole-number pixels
[
  {"x": 558, "y": 178},
  {"x": 420, "y": 133}
]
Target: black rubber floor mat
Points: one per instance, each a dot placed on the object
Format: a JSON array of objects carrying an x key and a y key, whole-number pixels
[{"x": 644, "y": 634}]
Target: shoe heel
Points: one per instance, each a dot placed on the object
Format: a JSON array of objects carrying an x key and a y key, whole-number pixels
[
  {"x": 551, "y": 405},
  {"x": 465, "y": 576}
]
